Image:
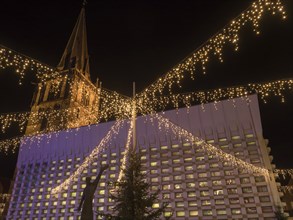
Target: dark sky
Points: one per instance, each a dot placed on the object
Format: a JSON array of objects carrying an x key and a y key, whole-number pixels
[{"x": 141, "y": 40}]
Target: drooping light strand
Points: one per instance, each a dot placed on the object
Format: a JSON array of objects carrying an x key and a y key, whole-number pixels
[
  {"x": 105, "y": 142},
  {"x": 286, "y": 189},
  {"x": 210, "y": 149},
  {"x": 264, "y": 90},
  {"x": 126, "y": 151},
  {"x": 284, "y": 172},
  {"x": 22, "y": 64},
  {"x": 214, "y": 46}
]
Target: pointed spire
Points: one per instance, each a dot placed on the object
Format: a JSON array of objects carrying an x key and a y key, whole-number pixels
[{"x": 76, "y": 52}]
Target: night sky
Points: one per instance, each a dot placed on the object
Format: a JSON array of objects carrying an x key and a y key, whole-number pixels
[{"x": 141, "y": 40}]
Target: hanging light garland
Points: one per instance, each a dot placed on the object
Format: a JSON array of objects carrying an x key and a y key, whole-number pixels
[
  {"x": 208, "y": 148},
  {"x": 284, "y": 172},
  {"x": 264, "y": 90},
  {"x": 214, "y": 47},
  {"x": 105, "y": 142},
  {"x": 23, "y": 64}
]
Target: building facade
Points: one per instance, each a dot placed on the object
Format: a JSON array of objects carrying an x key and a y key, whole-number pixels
[{"x": 197, "y": 186}]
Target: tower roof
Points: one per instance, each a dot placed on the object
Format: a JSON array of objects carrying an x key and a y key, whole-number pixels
[{"x": 76, "y": 52}]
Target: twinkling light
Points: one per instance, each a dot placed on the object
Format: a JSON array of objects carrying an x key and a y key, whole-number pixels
[
  {"x": 284, "y": 172},
  {"x": 129, "y": 137},
  {"x": 286, "y": 189},
  {"x": 264, "y": 90},
  {"x": 116, "y": 106},
  {"x": 105, "y": 142},
  {"x": 214, "y": 46},
  {"x": 208, "y": 148},
  {"x": 22, "y": 64}
]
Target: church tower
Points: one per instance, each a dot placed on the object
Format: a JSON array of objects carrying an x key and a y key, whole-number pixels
[{"x": 70, "y": 99}]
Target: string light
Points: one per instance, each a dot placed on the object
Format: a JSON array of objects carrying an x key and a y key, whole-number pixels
[
  {"x": 264, "y": 90},
  {"x": 214, "y": 47},
  {"x": 210, "y": 149},
  {"x": 284, "y": 172},
  {"x": 105, "y": 142}
]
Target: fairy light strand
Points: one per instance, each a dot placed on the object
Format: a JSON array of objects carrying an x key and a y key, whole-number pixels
[
  {"x": 214, "y": 46},
  {"x": 210, "y": 149},
  {"x": 105, "y": 142}
]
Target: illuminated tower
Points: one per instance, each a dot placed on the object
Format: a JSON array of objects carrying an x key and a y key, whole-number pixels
[{"x": 71, "y": 99}]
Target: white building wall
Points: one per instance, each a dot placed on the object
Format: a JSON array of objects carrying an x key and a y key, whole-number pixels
[{"x": 196, "y": 185}]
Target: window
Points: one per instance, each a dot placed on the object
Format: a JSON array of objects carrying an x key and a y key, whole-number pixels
[
  {"x": 191, "y": 194},
  {"x": 178, "y": 186},
  {"x": 175, "y": 153},
  {"x": 199, "y": 158},
  {"x": 229, "y": 172},
  {"x": 202, "y": 175},
  {"x": 188, "y": 159},
  {"x": 267, "y": 209},
  {"x": 176, "y": 161},
  {"x": 259, "y": 179},
  {"x": 166, "y": 195},
  {"x": 178, "y": 195},
  {"x": 155, "y": 179},
  {"x": 156, "y": 205},
  {"x": 188, "y": 168},
  {"x": 164, "y": 147},
  {"x": 167, "y": 214},
  {"x": 193, "y": 213},
  {"x": 189, "y": 176},
  {"x": 236, "y": 211},
  {"x": 166, "y": 187},
  {"x": 153, "y": 164},
  {"x": 232, "y": 191},
  {"x": 204, "y": 193},
  {"x": 236, "y": 137},
  {"x": 237, "y": 145},
  {"x": 207, "y": 212},
  {"x": 221, "y": 212},
  {"x": 205, "y": 202},
  {"x": 175, "y": 146},
  {"x": 251, "y": 210},
  {"x": 215, "y": 173},
  {"x": 201, "y": 167},
  {"x": 179, "y": 204},
  {"x": 230, "y": 181},
  {"x": 248, "y": 200},
  {"x": 176, "y": 169},
  {"x": 234, "y": 200},
  {"x": 166, "y": 170},
  {"x": 214, "y": 165},
  {"x": 255, "y": 160},
  {"x": 244, "y": 180},
  {"x": 249, "y": 135},
  {"x": 180, "y": 213},
  {"x": 178, "y": 177},
  {"x": 217, "y": 182},
  {"x": 166, "y": 178},
  {"x": 222, "y": 139},
  {"x": 218, "y": 192},
  {"x": 219, "y": 201},
  {"x": 264, "y": 199},
  {"x": 203, "y": 184},
  {"x": 247, "y": 190},
  {"x": 262, "y": 189},
  {"x": 190, "y": 185},
  {"x": 192, "y": 203}
]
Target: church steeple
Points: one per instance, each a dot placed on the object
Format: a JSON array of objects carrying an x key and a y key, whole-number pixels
[
  {"x": 76, "y": 52},
  {"x": 70, "y": 100}
]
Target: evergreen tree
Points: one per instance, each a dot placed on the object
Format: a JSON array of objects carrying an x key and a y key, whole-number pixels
[{"x": 132, "y": 198}]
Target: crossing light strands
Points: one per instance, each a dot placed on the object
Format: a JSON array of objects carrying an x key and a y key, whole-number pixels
[
  {"x": 105, "y": 142},
  {"x": 210, "y": 149},
  {"x": 214, "y": 46}
]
